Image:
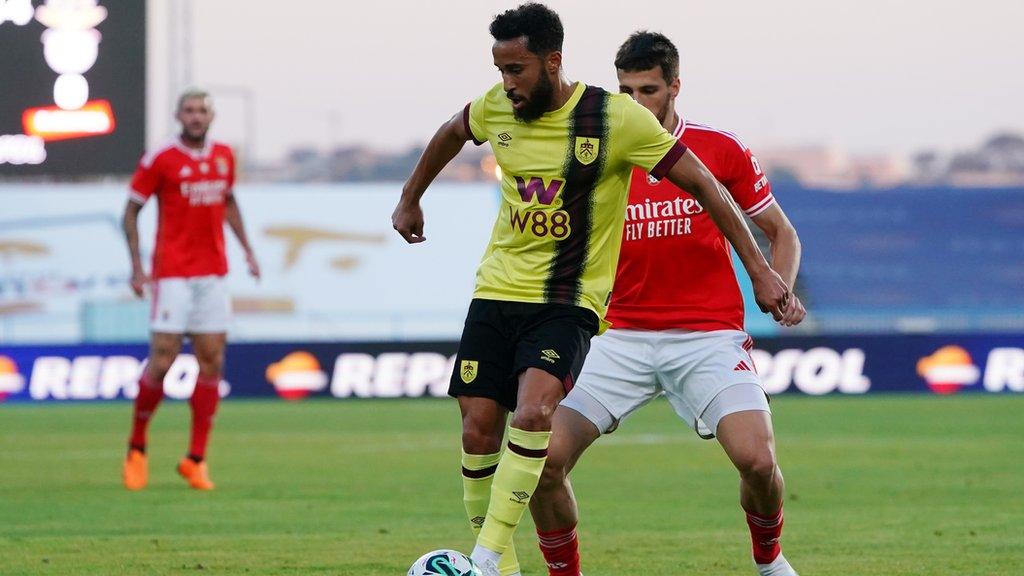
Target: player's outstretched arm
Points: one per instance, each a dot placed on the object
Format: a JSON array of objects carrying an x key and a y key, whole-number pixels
[
  {"x": 770, "y": 291},
  {"x": 785, "y": 256},
  {"x": 407, "y": 218},
  {"x": 233, "y": 215},
  {"x": 130, "y": 225}
]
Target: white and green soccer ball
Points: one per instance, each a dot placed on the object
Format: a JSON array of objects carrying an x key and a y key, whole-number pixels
[{"x": 444, "y": 563}]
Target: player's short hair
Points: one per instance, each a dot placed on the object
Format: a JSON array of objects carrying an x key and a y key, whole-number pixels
[
  {"x": 644, "y": 50},
  {"x": 191, "y": 93},
  {"x": 540, "y": 24}
]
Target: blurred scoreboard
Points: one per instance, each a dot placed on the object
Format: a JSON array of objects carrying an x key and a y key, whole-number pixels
[{"x": 72, "y": 87}]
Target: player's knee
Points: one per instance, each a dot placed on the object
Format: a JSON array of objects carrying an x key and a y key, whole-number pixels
[
  {"x": 477, "y": 440},
  {"x": 158, "y": 366},
  {"x": 534, "y": 417},
  {"x": 759, "y": 466},
  {"x": 210, "y": 363}
]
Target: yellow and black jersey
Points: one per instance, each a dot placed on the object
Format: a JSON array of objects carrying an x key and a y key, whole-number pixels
[{"x": 564, "y": 186}]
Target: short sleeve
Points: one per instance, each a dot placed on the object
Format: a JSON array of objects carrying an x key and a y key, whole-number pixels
[
  {"x": 645, "y": 143},
  {"x": 746, "y": 181},
  {"x": 145, "y": 181},
  {"x": 231, "y": 172},
  {"x": 473, "y": 118}
]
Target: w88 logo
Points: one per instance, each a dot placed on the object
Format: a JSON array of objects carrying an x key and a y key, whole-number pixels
[{"x": 541, "y": 223}]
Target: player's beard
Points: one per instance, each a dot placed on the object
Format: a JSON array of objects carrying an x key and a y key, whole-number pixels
[
  {"x": 664, "y": 110},
  {"x": 194, "y": 137},
  {"x": 538, "y": 102}
]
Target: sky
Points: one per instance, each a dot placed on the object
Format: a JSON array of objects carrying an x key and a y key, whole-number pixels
[{"x": 873, "y": 76}]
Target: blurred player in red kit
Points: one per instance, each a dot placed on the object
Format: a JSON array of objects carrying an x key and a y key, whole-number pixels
[
  {"x": 192, "y": 179},
  {"x": 677, "y": 324}
]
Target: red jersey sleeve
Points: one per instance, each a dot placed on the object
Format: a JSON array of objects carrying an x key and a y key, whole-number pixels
[
  {"x": 747, "y": 182},
  {"x": 145, "y": 181},
  {"x": 231, "y": 173}
]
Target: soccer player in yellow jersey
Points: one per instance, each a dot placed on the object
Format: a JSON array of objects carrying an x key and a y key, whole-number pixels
[{"x": 566, "y": 151}]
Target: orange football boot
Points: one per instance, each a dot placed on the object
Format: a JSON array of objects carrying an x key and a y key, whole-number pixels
[
  {"x": 197, "y": 475},
  {"x": 136, "y": 470}
]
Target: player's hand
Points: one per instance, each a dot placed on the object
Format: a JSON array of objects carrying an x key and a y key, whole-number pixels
[
  {"x": 254, "y": 266},
  {"x": 407, "y": 219},
  {"x": 771, "y": 293},
  {"x": 138, "y": 282},
  {"x": 795, "y": 312}
]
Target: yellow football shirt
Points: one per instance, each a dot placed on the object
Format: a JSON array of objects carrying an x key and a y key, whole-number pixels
[{"x": 564, "y": 187}]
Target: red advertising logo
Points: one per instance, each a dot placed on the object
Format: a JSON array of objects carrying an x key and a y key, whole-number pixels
[
  {"x": 11, "y": 381},
  {"x": 296, "y": 376},
  {"x": 948, "y": 370}
]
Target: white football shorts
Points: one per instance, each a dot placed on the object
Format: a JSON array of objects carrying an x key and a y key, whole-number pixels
[
  {"x": 196, "y": 305},
  {"x": 704, "y": 375}
]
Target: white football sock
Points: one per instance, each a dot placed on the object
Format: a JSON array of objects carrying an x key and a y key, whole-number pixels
[
  {"x": 481, "y": 555},
  {"x": 779, "y": 567}
]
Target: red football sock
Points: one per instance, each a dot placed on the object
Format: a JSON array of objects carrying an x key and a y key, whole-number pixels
[
  {"x": 561, "y": 551},
  {"x": 145, "y": 405},
  {"x": 764, "y": 533},
  {"x": 204, "y": 406}
]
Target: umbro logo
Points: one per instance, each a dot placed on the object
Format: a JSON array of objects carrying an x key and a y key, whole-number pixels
[
  {"x": 477, "y": 521},
  {"x": 549, "y": 355},
  {"x": 505, "y": 138},
  {"x": 519, "y": 497},
  {"x": 741, "y": 367},
  {"x": 185, "y": 172}
]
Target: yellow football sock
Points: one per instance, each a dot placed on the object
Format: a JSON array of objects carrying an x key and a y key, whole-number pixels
[
  {"x": 514, "y": 482},
  {"x": 477, "y": 474}
]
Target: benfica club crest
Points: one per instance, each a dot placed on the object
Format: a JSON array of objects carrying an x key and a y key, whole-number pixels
[{"x": 587, "y": 149}]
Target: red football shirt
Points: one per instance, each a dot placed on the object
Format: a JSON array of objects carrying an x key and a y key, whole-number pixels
[
  {"x": 191, "y": 187},
  {"x": 675, "y": 269}
]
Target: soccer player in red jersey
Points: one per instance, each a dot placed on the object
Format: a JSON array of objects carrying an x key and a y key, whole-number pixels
[
  {"x": 192, "y": 178},
  {"x": 677, "y": 324}
]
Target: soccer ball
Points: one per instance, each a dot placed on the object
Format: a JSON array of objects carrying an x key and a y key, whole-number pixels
[{"x": 444, "y": 563}]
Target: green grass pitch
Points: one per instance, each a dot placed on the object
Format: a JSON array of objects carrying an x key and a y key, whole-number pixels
[{"x": 883, "y": 485}]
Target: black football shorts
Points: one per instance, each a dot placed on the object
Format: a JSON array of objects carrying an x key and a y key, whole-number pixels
[{"x": 502, "y": 339}]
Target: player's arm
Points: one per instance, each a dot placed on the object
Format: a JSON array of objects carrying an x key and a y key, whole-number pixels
[
  {"x": 407, "y": 218},
  {"x": 690, "y": 174},
  {"x": 234, "y": 219},
  {"x": 786, "y": 250},
  {"x": 130, "y": 225}
]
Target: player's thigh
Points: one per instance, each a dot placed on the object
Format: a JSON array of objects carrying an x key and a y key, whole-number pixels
[
  {"x": 616, "y": 380},
  {"x": 209, "y": 350},
  {"x": 483, "y": 364},
  {"x": 745, "y": 427},
  {"x": 694, "y": 368},
  {"x": 538, "y": 395},
  {"x": 171, "y": 306},
  {"x": 210, "y": 310},
  {"x": 554, "y": 339}
]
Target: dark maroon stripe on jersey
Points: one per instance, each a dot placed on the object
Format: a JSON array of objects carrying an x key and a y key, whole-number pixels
[
  {"x": 465, "y": 122},
  {"x": 669, "y": 160},
  {"x": 589, "y": 120},
  {"x": 526, "y": 452},
  {"x": 567, "y": 383},
  {"x": 478, "y": 474}
]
